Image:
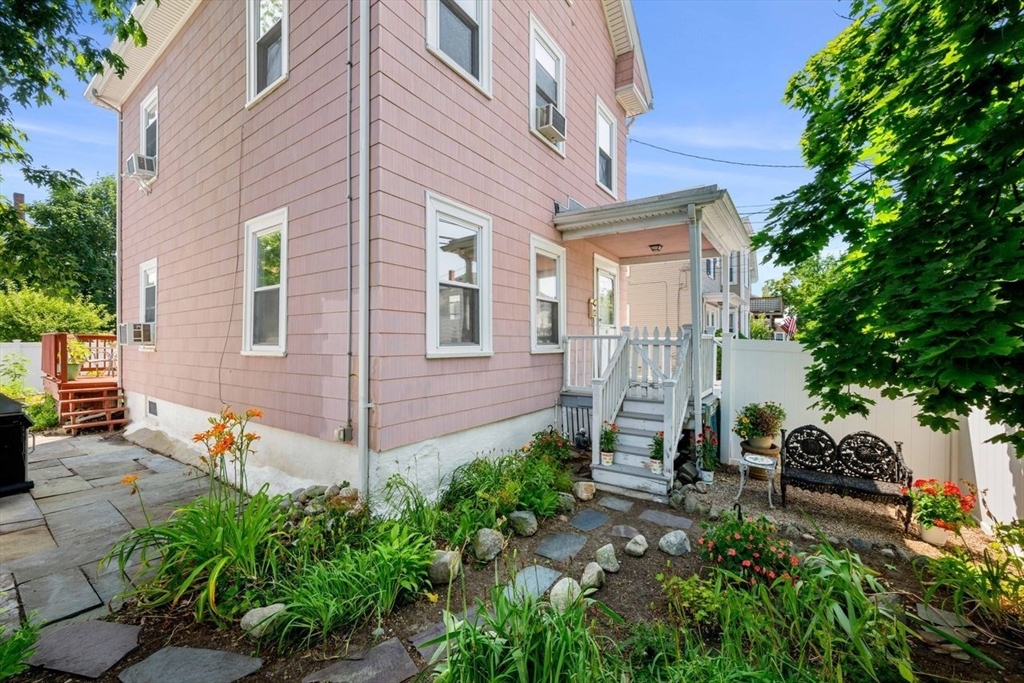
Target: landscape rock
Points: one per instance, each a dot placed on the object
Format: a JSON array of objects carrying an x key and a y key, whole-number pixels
[
  {"x": 903, "y": 555},
  {"x": 834, "y": 541},
  {"x": 593, "y": 576},
  {"x": 315, "y": 491},
  {"x": 676, "y": 500},
  {"x": 688, "y": 472},
  {"x": 332, "y": 491},
  {"x": 564, "y": 593},
  {"x": 694, "y": 505},
  {"x": 606, "y": 558},
  {"x": 888, "y": 552},
  {"x": 584, "y": 490},
  {"x": 716, "y": 513},
  {"x": 676, "y": 485},
  {"x": 674, "y": 543},
  {"x": 566, "y": 502},
  {"x": 259, "y": 620},
  {"x": 294, "y": 495},
  {"x": 791, "y": 530},
  {"x": 810, "y": 538},
  {"x": 701, "y": 487},
  {"x": 523, "y": 522},
  {"x": 445, "y": 566},
  {"x": 487, "y": 543},
  {"x": 349, "y": 496},
  {"x": 624, "y": 531},
  {"x": 859, "y": 545},
  {"x": 637, "y": 546}
]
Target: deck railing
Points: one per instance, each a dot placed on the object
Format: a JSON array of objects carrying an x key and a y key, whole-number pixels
[
  {"x": 677, "y": 399},
  {"x": 102, "y": 360},
  {"x": 708, "y": 364},
  {"x": 585, "y": 358}
]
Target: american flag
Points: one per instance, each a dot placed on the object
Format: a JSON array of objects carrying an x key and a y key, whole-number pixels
[{"x": 788, "y": 325}]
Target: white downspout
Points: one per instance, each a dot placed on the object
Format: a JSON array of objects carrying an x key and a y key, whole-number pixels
[
  {"x": 693, "y": 217},
  {"x": 363, "y": 419}
]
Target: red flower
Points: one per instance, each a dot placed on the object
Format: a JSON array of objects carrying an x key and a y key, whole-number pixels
[{"x": 793, "y": 561}]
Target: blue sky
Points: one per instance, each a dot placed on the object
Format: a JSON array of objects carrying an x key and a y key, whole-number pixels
[{"x": 718, "y": 69}]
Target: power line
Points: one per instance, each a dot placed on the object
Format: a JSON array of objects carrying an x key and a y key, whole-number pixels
[{"x": 718, "y": 161}]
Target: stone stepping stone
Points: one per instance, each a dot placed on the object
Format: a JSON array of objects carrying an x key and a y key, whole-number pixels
[
  {"x": 190, "y": 665},
  {"x": 613, "y": 503},
  {"x": 588, "y": 520},
  {"x": 533, "y": 581},
  {"x": 423, "y": 641},
  {"x": 385, "y": 663},
  {"x": 88, "y": 649},
  {"x": 625, "y": 531},
  {"x": 560, "y": 547},
  {"x": 59, "y": 595},
  {"x": 665, "y": 519}
]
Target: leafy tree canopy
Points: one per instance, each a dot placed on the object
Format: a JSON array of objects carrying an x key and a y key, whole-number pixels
[
  {"x": 800, "y": 287},
  {"x": 37, "y": 37},
  {"x": 27, "y": 314},
  {"x": 67, "y": 250},
  {"x": 914, "y": 135}
]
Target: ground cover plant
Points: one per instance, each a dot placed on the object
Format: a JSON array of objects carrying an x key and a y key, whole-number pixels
[
  {"x": 41, "y": 408},
  {"x": 16, "y": 647},
  {"x": 747, "y": 547}
]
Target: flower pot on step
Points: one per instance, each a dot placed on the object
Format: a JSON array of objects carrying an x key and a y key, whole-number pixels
[
  {"x": 935, "y": 535},
  {"x": 707, "y": 476},
  {"x": 607, "y": 458},
  {"x": 657, "y": 466}
]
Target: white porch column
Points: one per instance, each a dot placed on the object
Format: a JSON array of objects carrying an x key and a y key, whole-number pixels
[{"x": 693, "y": 215}]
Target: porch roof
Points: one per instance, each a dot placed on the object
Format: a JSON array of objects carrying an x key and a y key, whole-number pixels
[{"x": 628, "y": 229}]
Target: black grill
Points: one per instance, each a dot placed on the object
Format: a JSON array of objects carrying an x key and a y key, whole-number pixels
[{"x": 14, "y": 424}]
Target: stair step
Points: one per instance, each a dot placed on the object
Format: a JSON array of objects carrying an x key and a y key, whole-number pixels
[
  {"x": 633, "y": 478},
  {"x": 633, "y": 415},
  {"x": 109, "y": 424},
  {"x": 90, "y": 399}
]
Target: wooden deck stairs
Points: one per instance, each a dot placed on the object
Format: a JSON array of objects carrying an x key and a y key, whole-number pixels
[
  {"x": 92, "y": 398},
  {"x": 91, "y": 407}
]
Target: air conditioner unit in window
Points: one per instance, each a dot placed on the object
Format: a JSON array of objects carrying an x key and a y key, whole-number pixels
[
  {"x": 140, "y": 167},
  {"x": 134, "y": 334},
  {"x": 551, "y": 123}
]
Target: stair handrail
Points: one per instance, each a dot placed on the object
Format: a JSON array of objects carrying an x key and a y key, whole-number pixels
[
  {"x": 678, "y": 391},
  {"x": 609, "y": 390}
]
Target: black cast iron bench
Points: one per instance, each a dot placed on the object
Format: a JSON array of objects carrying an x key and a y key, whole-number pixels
[{"x": 862, "y": 466}]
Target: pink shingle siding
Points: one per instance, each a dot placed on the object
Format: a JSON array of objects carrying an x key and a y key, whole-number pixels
[{"x": 221, "y": 165}]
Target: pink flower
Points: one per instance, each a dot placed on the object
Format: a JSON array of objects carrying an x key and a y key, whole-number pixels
[
  {"x": 793, "y": 561},
  {"x": 746, "y": 563},
  {"x": 732, "y": 552},
  {"x": 737, "y": 536},
  {"x": 771, "y": 575}
]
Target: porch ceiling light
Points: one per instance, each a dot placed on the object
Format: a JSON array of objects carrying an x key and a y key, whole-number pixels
[{"x": 655, "y": 247}]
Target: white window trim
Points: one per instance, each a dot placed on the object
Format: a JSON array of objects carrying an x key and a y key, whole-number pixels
[
  {"x": 605, "y": 113},
  {"x": 433, "y": 33},
  {"x": 151, "y": 99},
  {"x": 537, "y": 32},
  {"x": 269, "y": 222},
  {"x": 251, "y": 24},
  {"x": 436, "y": 204},
  {"x": 144, "y": 268},
  {"x": 539, "y": 245}
]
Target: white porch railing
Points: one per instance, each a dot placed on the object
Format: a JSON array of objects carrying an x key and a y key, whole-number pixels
[
  {"x": 678, "y": 389},
  {"x": 609, "y": 391},
  {"x": 586, "y": 358},
  {"x": 655, "y": 359}
]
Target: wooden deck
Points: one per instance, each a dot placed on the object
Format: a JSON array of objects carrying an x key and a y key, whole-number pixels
[{"x": 93, "y": 399}]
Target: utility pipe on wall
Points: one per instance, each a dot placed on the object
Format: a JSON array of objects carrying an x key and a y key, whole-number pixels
[{"x": 363, "y": 419}]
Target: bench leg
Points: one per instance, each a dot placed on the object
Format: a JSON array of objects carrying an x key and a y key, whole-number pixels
[
  {"x": 910, "y": 513},
  {"x": 782, "y": 490}
]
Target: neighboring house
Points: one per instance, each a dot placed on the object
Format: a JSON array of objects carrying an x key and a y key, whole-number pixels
[
  {"x": 345, "y": 215},
  {"x": 659, "y": 292},
  {"x": 773, "y": 309}
]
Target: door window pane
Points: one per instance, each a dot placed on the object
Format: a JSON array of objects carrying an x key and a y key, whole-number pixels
[{"x": 606, "y": 299}]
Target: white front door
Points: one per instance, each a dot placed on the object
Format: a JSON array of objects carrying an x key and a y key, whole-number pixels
[{"x": 606, "y": 296}]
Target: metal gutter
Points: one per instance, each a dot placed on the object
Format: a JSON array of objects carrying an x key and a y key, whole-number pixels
[{"x": 363, "y": 418}]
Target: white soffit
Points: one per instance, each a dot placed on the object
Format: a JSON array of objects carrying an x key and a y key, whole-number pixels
[
  {"x": 625, "y": 37},
  {"x": 160, "y": 23}
]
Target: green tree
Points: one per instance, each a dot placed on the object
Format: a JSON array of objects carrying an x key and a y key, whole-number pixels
[
  {"x": 914, "y": 136},
  {"x": 37, "y": 37},
  {"x": 67, "y": 250},
  {"x": 27, "y": 314},
  {"x": 759, "y": 328},
  {"x": 801, "y": 285}
]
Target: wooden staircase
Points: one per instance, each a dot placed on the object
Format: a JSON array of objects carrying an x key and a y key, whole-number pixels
[{"x": 91, "y": 407}]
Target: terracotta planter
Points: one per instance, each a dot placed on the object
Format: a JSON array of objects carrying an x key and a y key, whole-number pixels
[
  {"x": 607, "y": 458},
  {"x": 761, "y": 441},
  {"x": 657, "y": 467},
  {"x": 934, "y": 535}
]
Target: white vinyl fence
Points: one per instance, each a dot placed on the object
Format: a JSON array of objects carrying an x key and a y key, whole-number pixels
[
  {"x": 755, "y": 371},
  {"x": 33, "y": 351}
]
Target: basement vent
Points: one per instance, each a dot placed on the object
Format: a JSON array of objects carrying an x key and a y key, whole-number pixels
[{"x": 151, "y": 408}]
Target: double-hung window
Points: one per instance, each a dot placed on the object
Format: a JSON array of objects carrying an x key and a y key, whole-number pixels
[
  {"x": 547, "y": 79},
  {"x": 266, "y": 279},
  {"x": 147, "y": 298},
  {"x": 459, "y": 33},
  {"x": 266, "y": 45},
  {"x": 148, "y": 112},
  {"x": 458, "y": 279},
  {"x": 547, "y": 295},
  {"x": 606, "y": 157}
]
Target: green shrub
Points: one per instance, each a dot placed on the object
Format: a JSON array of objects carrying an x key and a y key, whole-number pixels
[
  {"x": 42, "y": 410},
  {"x": 651, "y": 651},
  {"x": 747, "y": 547},
  {"x": 358, "y": 584},
  {"x": 694, "y": 602},
  {"x": 27, "y": 314},
  {"x": 550, "y": 444},
  {"x": 16, "y": 648},
  {"x": 520, "y": 638}
]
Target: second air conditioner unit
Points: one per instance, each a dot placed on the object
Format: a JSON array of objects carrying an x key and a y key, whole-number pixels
[{"x": 551, "y": 123}]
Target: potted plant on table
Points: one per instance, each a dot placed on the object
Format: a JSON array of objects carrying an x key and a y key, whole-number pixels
[
  {"x": 758, "y": 423},
  {"x": 658, "y": 453},
  {"x": 707, "y": 454},
  {"x": 609, "y": 437},
  {"x": 78, "y": 354},
  {"x": 940, "y": 508}
]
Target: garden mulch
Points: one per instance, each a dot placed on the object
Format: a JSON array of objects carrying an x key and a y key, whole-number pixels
[{"x": 634, "y": 592}]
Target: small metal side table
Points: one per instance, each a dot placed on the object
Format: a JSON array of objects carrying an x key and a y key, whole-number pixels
[{"x": 758, "y": 458}]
